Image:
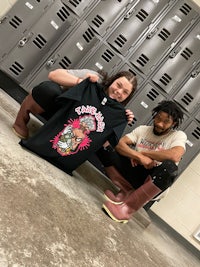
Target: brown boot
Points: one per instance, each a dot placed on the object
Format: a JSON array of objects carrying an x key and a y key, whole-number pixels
[
  {"x": 20, "y": 125},
  {"x": 133, "y": 202}
]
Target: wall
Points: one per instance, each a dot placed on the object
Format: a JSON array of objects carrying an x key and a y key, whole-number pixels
[{"x": 180, "y": 208}]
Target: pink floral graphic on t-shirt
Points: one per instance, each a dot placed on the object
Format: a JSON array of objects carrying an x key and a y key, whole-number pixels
[{"x": 74, "y": 136}]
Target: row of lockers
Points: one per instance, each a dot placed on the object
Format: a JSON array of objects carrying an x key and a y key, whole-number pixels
[
  {"x": 159, "y": 41},
  {"x": 58, "y": 21}
]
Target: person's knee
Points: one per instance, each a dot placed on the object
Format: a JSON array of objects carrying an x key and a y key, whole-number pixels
[{"x": 165, "y": 174}]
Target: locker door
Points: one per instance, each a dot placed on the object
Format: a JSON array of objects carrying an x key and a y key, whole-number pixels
[
  {"x": 179, "y": 62},
  {"x": 161, "y": 39},
  {"x": 105, "y": 13},
  {"x": 126, "y": 67},
  {"x": 78, "y": 7},
  {"x": 143, "y": 103},
  {"x": 197, "y": 116},
  {"x": 33, "y": 47},
  {"x": 138, "y": 19},
  {"x": 19, "y": 18},
  {"x": 103, "y": 59},
  {"x": 67, "y": 55},
  {"x": 189, "y": 95},
  {"x": 192, "y": 145}
]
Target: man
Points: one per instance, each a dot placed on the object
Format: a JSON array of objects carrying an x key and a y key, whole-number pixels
[{"x": 145, "y": 163}]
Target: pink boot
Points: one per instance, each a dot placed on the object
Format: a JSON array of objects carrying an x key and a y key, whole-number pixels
[{"x": 133, "y": 201}]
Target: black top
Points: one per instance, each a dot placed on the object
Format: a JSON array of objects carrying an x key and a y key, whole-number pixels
[{"x": 86, "y": 119}]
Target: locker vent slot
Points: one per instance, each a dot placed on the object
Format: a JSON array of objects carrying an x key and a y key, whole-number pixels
[
  {"x": 65, "y": 62},
  {"x": 165, "y": 79},
  {"x": 63, "y": 14},
  {"x": 142, "y": 60},
  {"x": 185, "y": 9},
  {"x": 16, "y": 68},
  {"x": 164, "y": 34},
  {"x": 187, "y": 53},
  {"x": 187, "y": 99},
  {"x": 142, "y": 15},
  {"x": 15, "y": 22},
  {"x": 98, "y": 21},
  {"x": 88, "y": 35},
  {"x": 196, "y": 133},
  {"x": 75, "y": 3},
  {"x": 134, "y": 121},
  {"x": 39, "y": 41},
  {"x": 130, "y": 70},
  {"x": 120, "y": 40},
  {"x": 107, "y": 55},
  {"x": 152, "y": 94}
]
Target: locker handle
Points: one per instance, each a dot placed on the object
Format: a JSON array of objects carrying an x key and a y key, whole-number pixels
[
  {"x": 51, "y": 61},
  {"x": 195, "y": 73},
  {"x": 174, "y": 52},
  {"x": 152, "y": 33},
  {"x": 24, "y": 40},
  {"x": 3, "y": 19}
]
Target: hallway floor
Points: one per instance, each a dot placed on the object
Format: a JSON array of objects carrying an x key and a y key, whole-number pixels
[{"x": 48, "y": 218}]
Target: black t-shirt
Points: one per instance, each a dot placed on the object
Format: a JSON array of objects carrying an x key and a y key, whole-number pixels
[{"x": 86, "y": 119}]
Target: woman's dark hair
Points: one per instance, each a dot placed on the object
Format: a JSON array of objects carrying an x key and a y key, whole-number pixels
[
  {"x": 107, "y": 81},
  {"x": 172, "y": 109}
]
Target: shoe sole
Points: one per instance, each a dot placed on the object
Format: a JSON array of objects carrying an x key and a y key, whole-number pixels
[
  {"x": 112, "y": 216},
  {"x": 112, "y": 201},
  {"x": 19, "y": 135}
]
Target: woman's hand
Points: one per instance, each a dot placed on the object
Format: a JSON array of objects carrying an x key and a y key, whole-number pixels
[
  {"x": 130, "y": 116},
  {"x": 93, "y": 77}
]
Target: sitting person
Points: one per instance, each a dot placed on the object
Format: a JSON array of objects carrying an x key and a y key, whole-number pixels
[
  {"x": 144, "y": 162},
  {"x": 42, "y": 99},
  {"x": 87, "y": 115}
]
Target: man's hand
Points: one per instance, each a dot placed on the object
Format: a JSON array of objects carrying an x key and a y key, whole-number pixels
[{"x": 147, "y": 162}]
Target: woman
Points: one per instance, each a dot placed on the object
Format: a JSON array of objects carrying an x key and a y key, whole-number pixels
[
  {"x": 42, "y": 99},
  {"x": 87, "y": 115}
]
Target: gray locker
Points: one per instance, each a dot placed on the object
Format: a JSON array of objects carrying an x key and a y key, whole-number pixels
[
  {"x": 143, "y": 103},
  {"x": 67, "y": 55},
  {"x": 77, "y": 6},
  {"x": 103, "y": 59},
  {"x": 132, "y": 70},
  {"x": 105, "y": 14},
  {"x": 37, "y": 42},
  {"x": 197, "y": 116},
  {"x": 138, "y": 19},
  {"x": 189, "y": 95},
  {"x": 192, "y": 144},
  {"x": 180, "y": 62},
  {"x": 17, "y": 20},
  {"x": 163, "y": 37}
]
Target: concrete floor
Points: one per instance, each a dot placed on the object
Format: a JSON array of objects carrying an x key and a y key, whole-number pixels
[{"x": 48, "y": 218}]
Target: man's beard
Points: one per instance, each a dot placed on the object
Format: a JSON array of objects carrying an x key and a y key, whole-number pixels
[{"x": 161, "y": 132}]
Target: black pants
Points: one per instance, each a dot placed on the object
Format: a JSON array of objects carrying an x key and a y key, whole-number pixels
[
  {"x": 163, "y": 175},
  {"x": 45, "y": 95}
]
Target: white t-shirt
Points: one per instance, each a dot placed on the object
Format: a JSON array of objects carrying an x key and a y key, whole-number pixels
[{"x": 144, "y": 139}]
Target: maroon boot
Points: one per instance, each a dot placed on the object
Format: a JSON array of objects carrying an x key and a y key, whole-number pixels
[
  {"x": 117, "y": 179},
  {"x": 133, "y": 202},
  {"x": 120, "y": 182},
  {"x": 20, "y": 125}
]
